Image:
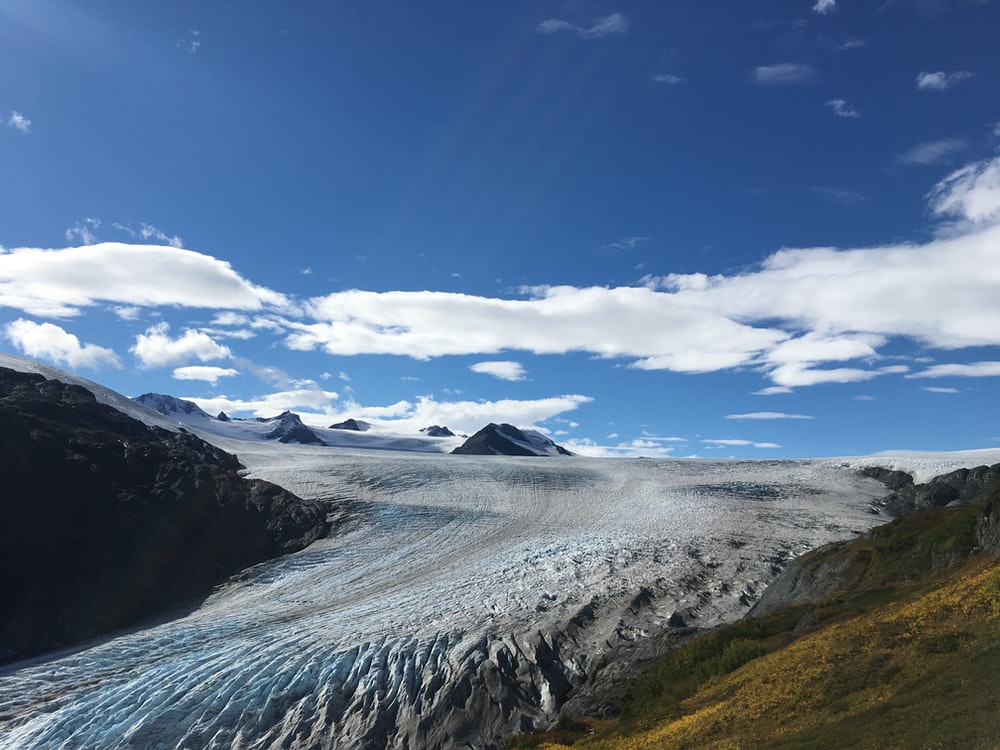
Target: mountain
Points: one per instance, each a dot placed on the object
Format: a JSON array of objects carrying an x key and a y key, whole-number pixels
[
  {"x": 171, "y": 406},
  {"x": 288, "y": 428},
  {"x": 507, "y": 440},
  {"x": 107, "y": 521},
  {"x": 437, "y": 431},
  {"x": 351, "y": 424}
]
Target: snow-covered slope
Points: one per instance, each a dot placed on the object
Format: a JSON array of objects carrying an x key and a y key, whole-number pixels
[{"x": 104, "y": 395}]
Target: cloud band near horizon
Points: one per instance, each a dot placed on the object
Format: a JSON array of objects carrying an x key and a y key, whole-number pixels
[{"x": 802, "y": 317}]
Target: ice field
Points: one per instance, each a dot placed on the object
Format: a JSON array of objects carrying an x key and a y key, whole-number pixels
[{"x": 462, "y": 598}]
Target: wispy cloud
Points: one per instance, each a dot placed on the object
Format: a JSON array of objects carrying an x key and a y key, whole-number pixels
[
  {"x": 852, "y": 44},
  {"x": 504, "y": 370},
  {"x": 941, "y": 81},
  {"x": 737, "y": 443},
  {"x": 842, "y": 109},
  {"x": 626, "y": 243},
  {"x": 616, "y": 23},
  {"x": 783, "y": 74},
  {"x": 767, "y": 415},
  {"x": 50, "y": 342},
  {"x": 190, "y": 42},
  {"x": 668, "y": 78},
  {"x": 823, "y": 7},
  {"x": 973, "y": 370},
  {"x": 931, "y": 152},
  {"x": 938, "y": 389},
  {"x": 19, "y": 122}
]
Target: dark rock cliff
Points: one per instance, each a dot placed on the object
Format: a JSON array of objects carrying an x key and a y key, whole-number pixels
[{"x": 105, "y": 521}]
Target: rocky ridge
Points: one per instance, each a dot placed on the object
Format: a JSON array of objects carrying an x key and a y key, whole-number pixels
[{"x": 107, "y": 521}]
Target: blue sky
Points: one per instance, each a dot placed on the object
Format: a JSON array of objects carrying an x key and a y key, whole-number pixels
[{"x": 679, "y": 228}]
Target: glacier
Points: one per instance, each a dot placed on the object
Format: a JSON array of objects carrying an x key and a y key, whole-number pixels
[{"x": 463, "y": 599}]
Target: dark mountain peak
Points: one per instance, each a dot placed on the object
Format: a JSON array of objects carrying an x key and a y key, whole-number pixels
[
  {"x": 290, "y": 429},
  {"x": 351, "y": 424},
  {"x": 170, "y": 406},
  {"x": 437, "y": 431},
  {"x": 508, "y": 440}
]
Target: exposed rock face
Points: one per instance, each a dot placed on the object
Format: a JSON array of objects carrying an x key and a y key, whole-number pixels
[
  {"x": 290, "y": 429},
  {"x": 437, "y": 431},
  {"x": 106, "y": 521},
  {"x": 508, "y": 440},
  {"x": 838, "y": 566},
  {"x": 961, "y": 486},
  {"x": 170, "y": 405},
  {"x": 351, "y": 424}
]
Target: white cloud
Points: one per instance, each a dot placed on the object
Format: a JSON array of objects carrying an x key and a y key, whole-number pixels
[
  {"x": 615, "y": 23},
  {"x": 842, "y": 109},
  {"x": 824, "y": 7},
  {"x": 657, "y": 330},
  {"x": 155, "y": 348},
  {"x": 203, "y": 372},
  {"x": 971, "y": 193},
  {"x": 19, "y": 122},
  {"x": 941, "y": 81},
  {"x": 973, "y": 370},
  {"x": 54, "y": 344},
  {"x": 504, "y": 370},
  {"x": 768, "y": 415},
  {"x": 936, "y": 389},
  {"x": 773, "y": 390},
  {"x": 803, "y": 317},
  {"x": 58, "y": 283},
  {"x": 783, "y": 74},
  {"x": 931, "y": 152},
  {"x": 668, "y": 78}
]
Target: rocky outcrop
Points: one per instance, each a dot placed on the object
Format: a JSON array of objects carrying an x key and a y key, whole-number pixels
[
  {"x": 289, "y": 428},
  {"x": 962, "y": 486},
  {"x": 854, "y": 565},
  {"x": 351, "y": 424},
  {"x": 436, "y": 430},
  {"x": 106, "y": 521},
  {"x": 508, "y": 440}
]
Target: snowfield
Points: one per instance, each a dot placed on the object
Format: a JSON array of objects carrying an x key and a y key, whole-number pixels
[{"x": 461, "y": 599}]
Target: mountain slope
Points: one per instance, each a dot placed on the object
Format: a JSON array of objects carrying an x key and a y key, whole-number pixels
[
  {"x": 106, "y": 521},
  {"x": 507, "y": 440}
]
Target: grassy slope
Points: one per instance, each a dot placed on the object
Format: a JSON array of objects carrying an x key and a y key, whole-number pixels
[{"x": 906, "y": 656}]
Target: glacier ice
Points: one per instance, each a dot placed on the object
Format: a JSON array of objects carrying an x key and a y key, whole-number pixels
[{"x": 464, "y": 598}]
